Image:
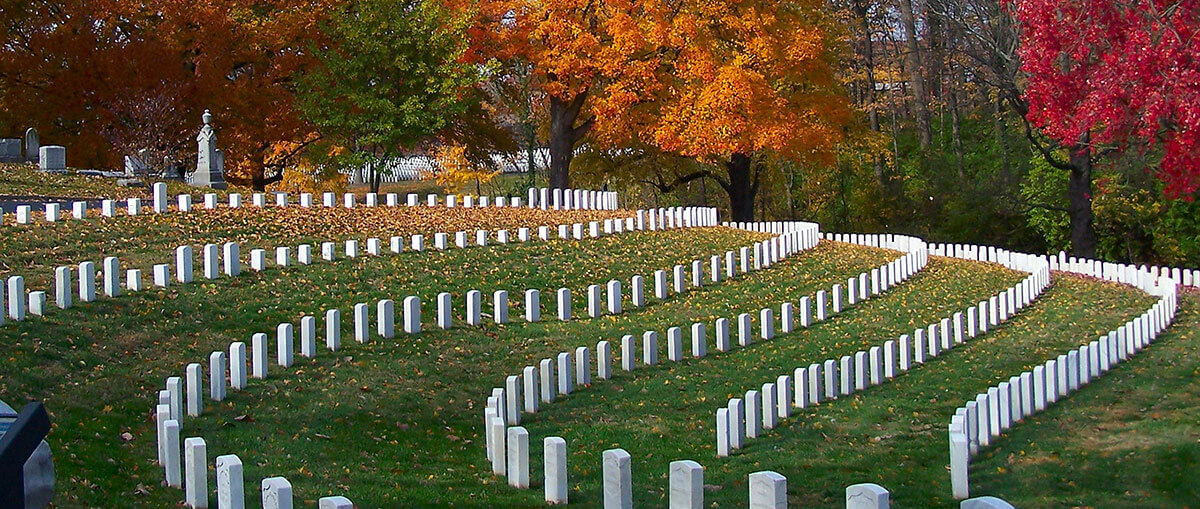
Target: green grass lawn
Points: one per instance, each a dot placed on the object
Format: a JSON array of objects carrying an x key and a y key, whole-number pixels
[
  {"x": 28, "y": 180},
  {"x": 398, "y": 422},
  {"x": 1129, "y": 439},
  {"x": 33, "y": 251},
  {"x": 668, "y": 414},
  {"x": 120, "y": 350},
  {"x": 418, "y": 401}
]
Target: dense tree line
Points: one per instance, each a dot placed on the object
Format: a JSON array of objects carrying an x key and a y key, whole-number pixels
[{"x": 1035, "y": 124}]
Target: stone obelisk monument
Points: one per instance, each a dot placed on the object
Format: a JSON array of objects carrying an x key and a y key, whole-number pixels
[{"x": 210, "y": 161}]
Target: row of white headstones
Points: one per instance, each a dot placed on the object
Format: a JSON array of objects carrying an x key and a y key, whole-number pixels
[
  {"x": 808, "y": 386},
  {"x": 36, "y": 302},
  {"x": 191, "y": 472},
  {"x": 507, "y": 443},
  {"x": 977, "y": 423},
  {"x": 543, "y": 198}
]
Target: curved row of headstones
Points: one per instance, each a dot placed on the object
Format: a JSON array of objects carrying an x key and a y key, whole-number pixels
[
  {"x": 567, "y": 371},
  {"x": 543, "y": 198},
  {"x": 1002, "y": 406},
  {"x": 226, "y": 258},
  {"x": 685, "y": 478},
  {"x": 191, "y": 474},
  {"x": 507, "y": 443},
  {"x": 749, "y": 417},
  {"x": 508, "y": 447}
]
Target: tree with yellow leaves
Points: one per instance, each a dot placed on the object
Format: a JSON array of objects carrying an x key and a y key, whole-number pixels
[
  {"x": 727, "y": 82},
  {"x": 747, "y": 80},
  {"x": 453, "y": 169},
  {"x": 575, "y": 52}
]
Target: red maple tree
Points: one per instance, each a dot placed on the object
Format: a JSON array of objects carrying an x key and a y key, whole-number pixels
[{"x": 1115, "y": 75}]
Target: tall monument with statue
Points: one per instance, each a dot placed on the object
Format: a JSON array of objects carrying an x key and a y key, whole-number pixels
[{"x": 210, "y": 161}]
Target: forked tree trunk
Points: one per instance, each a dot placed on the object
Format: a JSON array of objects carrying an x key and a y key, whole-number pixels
[{"x": 564, "y": 134}]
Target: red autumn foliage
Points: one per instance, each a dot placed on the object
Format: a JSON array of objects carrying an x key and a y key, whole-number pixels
[{"x": 1127, "y": 72}]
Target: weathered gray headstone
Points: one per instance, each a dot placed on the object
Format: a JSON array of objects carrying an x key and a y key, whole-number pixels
[
  {"x": 32, "y": 145},
  {"x": 210, "y": 162},
  {"x": 52, "y": 158}
]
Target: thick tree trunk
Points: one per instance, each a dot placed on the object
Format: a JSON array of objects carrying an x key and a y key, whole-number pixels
[
  {"x": 1079, "y": 192},
  {"x": 912, "y": 60},
  {"x": 564, "y": 134},
  {"x": 740, "y": 188}
]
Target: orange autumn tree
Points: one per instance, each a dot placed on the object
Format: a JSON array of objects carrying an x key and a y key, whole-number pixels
[
  {"x": 747, "y": 81},
  {"x": 83, "y": 71},
  {"x": 575, "y": 52},
  {"x": 242, "y": 57}
]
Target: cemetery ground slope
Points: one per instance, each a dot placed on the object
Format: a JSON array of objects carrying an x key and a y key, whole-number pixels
[
  {"x": 667, "y": 413},
  {"x": 34, "y": 250},
  {"x": 1130, "y": 439},
  {"x": 28, "y": 180},
  {"x": 893, "y": 435},
  {"x": 399, "y": 424},
  {"x": 99, "y": 365}
]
